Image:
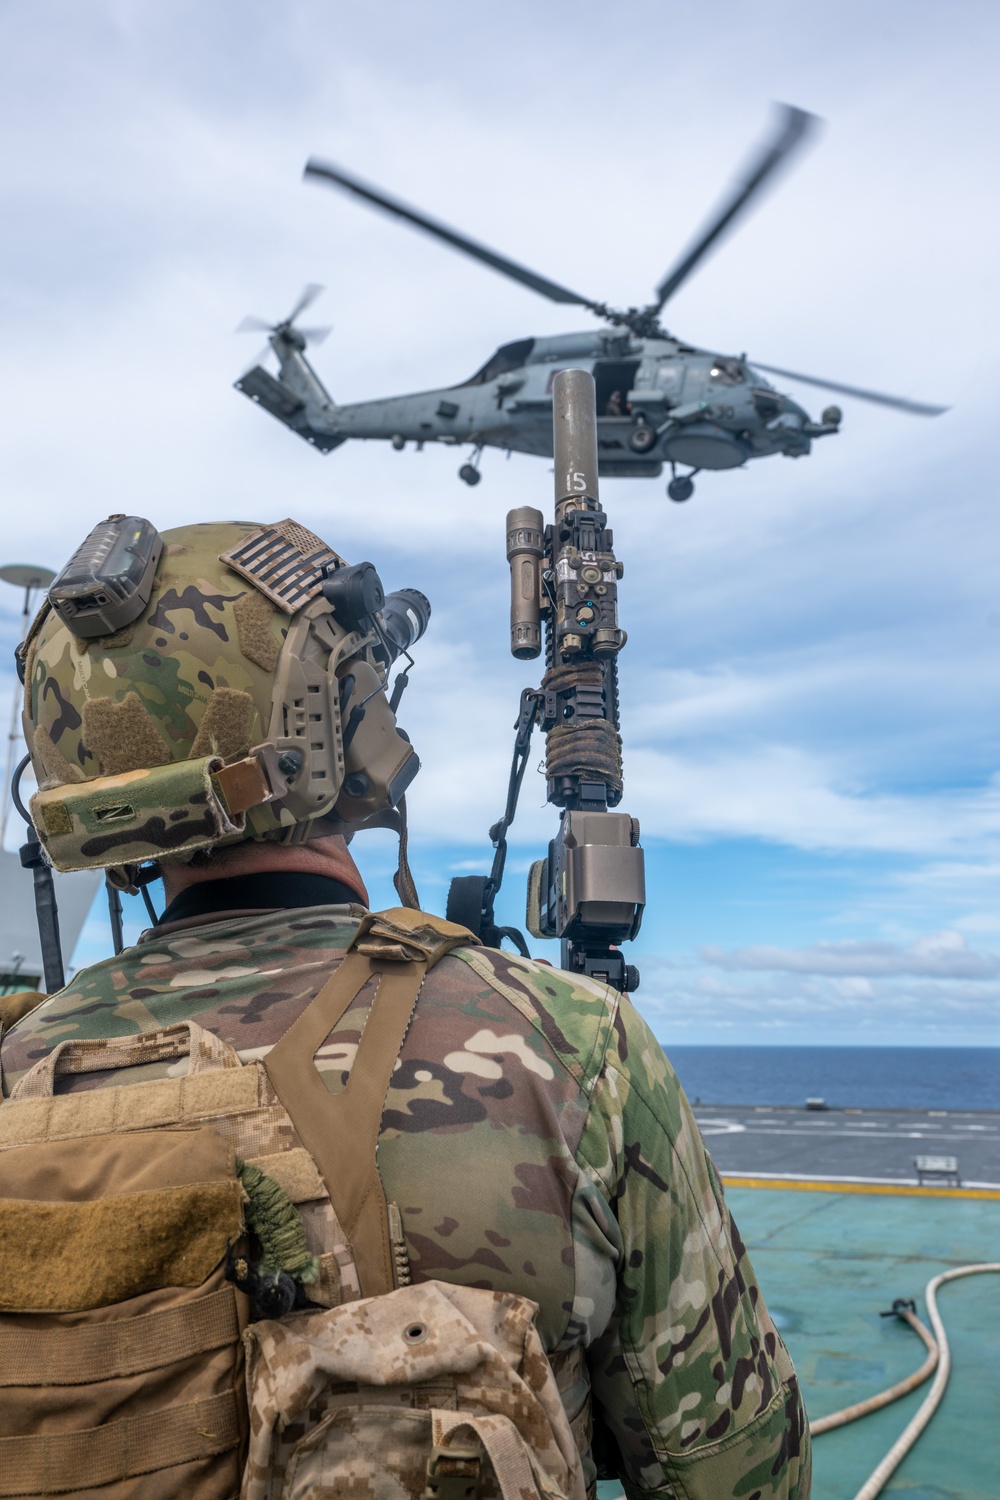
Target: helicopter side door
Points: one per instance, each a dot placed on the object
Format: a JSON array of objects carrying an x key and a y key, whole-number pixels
[{"x": 614, "y": 379}]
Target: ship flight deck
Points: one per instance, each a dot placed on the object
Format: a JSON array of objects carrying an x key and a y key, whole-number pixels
[{"x": 838, "y": 1226}]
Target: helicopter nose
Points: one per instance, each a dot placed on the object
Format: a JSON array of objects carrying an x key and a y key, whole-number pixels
[{"x": 769, "y": 404}]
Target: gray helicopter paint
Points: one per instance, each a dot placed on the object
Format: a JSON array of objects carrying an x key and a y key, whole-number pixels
[
  {"x": 697, "y": 421},
  {"x": 658, "y": 400}
]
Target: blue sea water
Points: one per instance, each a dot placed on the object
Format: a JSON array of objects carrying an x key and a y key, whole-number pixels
[{"x": 846, "y": 1077}]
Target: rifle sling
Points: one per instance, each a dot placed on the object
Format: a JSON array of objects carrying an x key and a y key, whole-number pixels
[{"x": 341, "y": 1130}]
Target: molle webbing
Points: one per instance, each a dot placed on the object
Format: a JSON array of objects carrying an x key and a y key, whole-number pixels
[
  {"x": 62, "y": 1463},
  {"x": 98, "y": 1054},
  {"x": 110, "y": 1351},
  {"x": 237, "y": 1095},
  {"x": 295, "y": 1173},
  {"x": 120, "y": 1348}
]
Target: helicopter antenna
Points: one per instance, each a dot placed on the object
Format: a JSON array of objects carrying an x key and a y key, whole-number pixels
[{"x": 795, "y": 126}]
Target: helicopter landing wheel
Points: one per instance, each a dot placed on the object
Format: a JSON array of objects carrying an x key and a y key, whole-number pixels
[
  {"x": 642, "y": 438},
  {"x": 470, "y": 474},
  {"x": 681, "y": 486}
]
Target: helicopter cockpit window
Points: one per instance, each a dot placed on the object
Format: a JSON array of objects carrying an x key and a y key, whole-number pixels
[
  {"x": 507, "y": 357},
  {"x": 728, "y": 372}
]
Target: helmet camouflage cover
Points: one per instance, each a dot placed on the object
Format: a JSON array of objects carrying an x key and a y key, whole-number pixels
[{"x": 216, "y": 715}]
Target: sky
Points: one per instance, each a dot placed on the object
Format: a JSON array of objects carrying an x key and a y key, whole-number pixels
[{"x": 809, "y": 691}]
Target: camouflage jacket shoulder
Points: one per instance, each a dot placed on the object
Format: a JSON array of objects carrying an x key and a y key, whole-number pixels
[{"x": 536, "y": 1141}]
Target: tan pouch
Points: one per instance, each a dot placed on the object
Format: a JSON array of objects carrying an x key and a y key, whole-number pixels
[
  {"x": 428, "y": 1390},
  {"x": 121, "y": 1365}
]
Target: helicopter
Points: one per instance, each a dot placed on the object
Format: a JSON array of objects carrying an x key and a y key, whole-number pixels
[{"x": 659, "y": 399}]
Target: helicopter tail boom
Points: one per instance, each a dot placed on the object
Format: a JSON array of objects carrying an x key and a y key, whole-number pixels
[
  {"x": 294, "y": 408},
  {"x": 296, "y": 396}
]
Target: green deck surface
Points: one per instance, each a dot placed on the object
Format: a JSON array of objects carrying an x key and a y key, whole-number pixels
[{"x": 828, "y": 1264}]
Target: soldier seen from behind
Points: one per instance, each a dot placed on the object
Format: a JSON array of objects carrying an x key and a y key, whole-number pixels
[{"x": 284, "y": 1181}]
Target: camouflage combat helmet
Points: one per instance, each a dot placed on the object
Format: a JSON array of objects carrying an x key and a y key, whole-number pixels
[{"x": 243, "y": 699}]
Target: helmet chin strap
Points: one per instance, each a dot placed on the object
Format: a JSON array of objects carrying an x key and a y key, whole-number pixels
[
  {"x": 406, "y": 890},
  {"x": 395, "y": 818}
]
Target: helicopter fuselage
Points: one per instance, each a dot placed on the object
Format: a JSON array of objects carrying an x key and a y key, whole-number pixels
[{"x": 658, "y": 400}]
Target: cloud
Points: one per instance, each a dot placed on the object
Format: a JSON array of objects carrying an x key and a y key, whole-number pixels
[
  {"x": 703, "y": 1004},
  {"x": 796, "y": 796},
  {"x": 944, "y": 955},
  {"x": 809, "y": 664}
]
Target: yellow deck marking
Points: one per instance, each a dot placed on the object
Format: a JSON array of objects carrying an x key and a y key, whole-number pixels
[{"x": 901, "y": 1189}]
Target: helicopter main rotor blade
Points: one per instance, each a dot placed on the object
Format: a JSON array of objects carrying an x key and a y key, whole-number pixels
[
  {"x": 253, "y": 325},
  {"x": 899, "y": 403},
  {"x": 795, "y": 125},
  {"x": 324, "y": 171}
]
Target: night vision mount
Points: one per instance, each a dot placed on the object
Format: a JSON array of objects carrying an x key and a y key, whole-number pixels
[{"x": 589, "y": 890}]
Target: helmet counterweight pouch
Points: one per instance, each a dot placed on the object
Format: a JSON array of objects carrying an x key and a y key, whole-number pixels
[{"x": 143, "y": 815}]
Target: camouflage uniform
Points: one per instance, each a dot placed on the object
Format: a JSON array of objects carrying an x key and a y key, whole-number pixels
[{"x": 537, "y": 1142}]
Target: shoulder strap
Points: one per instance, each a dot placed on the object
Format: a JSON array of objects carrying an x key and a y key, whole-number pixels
[{"x": 396, "y": 948}]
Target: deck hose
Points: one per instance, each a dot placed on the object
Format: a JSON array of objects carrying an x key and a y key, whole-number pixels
[{"x": 939, "y": 1357}]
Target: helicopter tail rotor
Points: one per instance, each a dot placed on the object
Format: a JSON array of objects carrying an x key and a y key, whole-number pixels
[
  {"x": 287, "y": 326},
  {"x": 253, "y": 325},
  {"x": 309, "y": 293}
]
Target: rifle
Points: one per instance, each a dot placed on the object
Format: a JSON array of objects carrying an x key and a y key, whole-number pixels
[{"x": 589, "y": 890}]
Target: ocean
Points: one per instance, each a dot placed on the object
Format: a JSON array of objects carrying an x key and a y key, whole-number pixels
[{"x": 846, "y": 1077}]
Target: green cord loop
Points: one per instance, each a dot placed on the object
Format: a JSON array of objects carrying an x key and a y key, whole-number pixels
[{"x": 273, "y": 1218}]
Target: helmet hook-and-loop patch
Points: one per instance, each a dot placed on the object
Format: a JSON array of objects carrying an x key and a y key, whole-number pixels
[
  {"x": 253, "y": 615},
  {"x": 285, "y": 561},
  {"x": 124, "y": 736},
  {"x": 226, "y": 726},
  {"x": 57, "y": 768}
]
